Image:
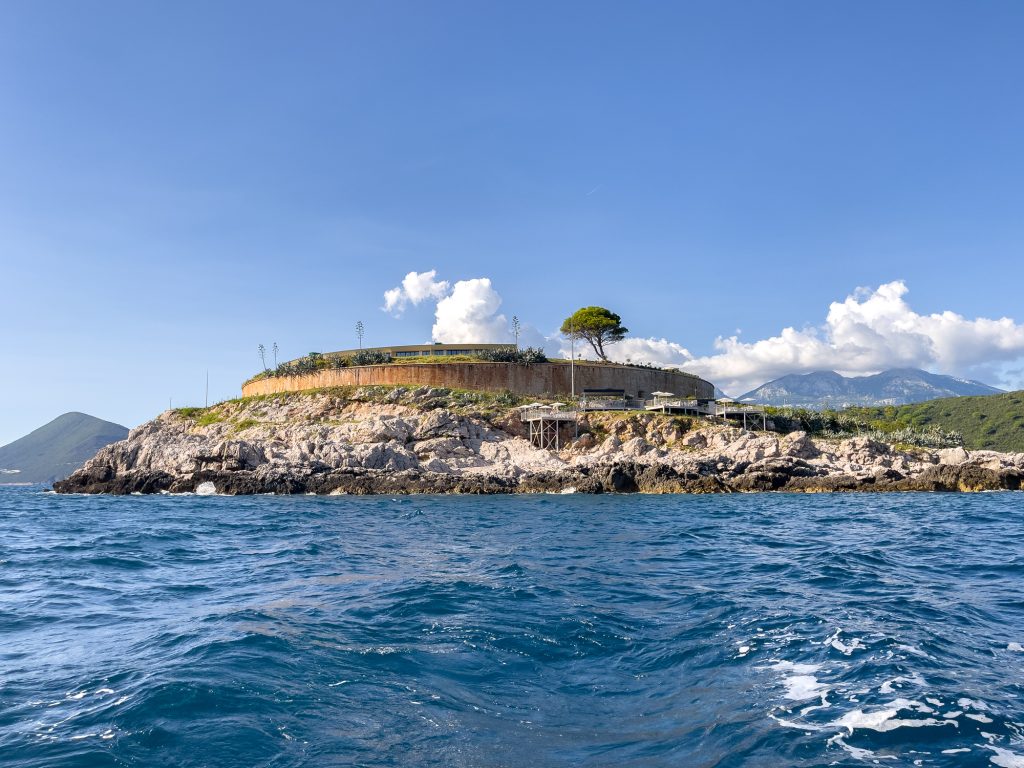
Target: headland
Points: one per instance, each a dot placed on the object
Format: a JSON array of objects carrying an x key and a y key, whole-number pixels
[{"x": 403, "y": 439}]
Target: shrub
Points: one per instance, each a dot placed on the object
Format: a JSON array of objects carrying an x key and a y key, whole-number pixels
[
  {"x": 512, "y": 355},
  {"x": 841, "y": 425},
  {"x": 370, "y": 357},
  {"x": 507, "y": 398}
]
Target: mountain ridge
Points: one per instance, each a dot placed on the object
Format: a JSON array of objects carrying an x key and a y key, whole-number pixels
[
  {"x": 820, "y": 390},
  {"x": 56, "y": 449}
]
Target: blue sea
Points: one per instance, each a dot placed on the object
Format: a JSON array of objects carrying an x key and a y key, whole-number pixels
[{"x": 755, "y": 630}]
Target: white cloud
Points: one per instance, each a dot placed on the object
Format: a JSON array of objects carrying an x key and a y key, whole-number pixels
[
  {"x": 870, "y": 331},
  {"x": 637, "y": 350},
  {"x": 470, "y": 314},
  {"x": 416, "y": 287}
]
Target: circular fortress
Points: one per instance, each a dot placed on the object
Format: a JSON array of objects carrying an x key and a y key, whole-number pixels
[{"x": 558, "y": 378}]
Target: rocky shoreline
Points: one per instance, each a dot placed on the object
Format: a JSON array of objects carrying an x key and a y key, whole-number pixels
[{"x": 399, "y": 441}]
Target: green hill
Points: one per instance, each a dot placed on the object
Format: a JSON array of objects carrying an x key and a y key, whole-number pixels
[
  {"x": 57, "y": 449},
  {"x": 994, "y": 422}
]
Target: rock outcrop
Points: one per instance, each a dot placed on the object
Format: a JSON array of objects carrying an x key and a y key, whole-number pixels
[{"x": 420, "y": 441}]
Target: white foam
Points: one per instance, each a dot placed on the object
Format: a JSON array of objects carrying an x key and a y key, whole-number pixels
[
  {"x": 1004, "y": 758},
  {"x": 801, "y": 684},
  {"x": 964, "y": 703},
  {"x": 824, "y": 705},
  {"x": 885, "y": 719},
  {"x": 799, "y": 726},
  {"x": 915, "y": 679},
  {"x": 955, "y": 751},
  {"x": 914, "y": 650},
  {"x": 206, "y": 489},
  {"x": 979, "y": 718},
  {"x": 856, "y": 752},
  {"x": 842, "y": 647},
  {"x": 1015, "y": 647}
]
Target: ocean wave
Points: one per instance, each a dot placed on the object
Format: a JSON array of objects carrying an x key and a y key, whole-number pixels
[{"x": 552, "y": 630}]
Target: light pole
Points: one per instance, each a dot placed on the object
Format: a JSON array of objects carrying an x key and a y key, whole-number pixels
[{"x": 572, "y": 358}]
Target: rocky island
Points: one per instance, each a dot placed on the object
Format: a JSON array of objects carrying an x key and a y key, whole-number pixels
[{"x": 400, "y": 440}]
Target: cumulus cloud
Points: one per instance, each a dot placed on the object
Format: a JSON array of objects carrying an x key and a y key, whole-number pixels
[
  {"x": 470, "y": 314},
  {"x": 870, "y": 331},
  {"x": 416, "y": 287},
  {"x": 636, "y": 350},
  {"x": 465, "y": 312}
]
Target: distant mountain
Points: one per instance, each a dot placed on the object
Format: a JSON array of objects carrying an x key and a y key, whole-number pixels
[
  {"x": 828, "y": 389},
  {"x": 57, "y": 449}
]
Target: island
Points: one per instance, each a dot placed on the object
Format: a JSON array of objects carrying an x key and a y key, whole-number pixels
[{"x": 489, "y": 425}]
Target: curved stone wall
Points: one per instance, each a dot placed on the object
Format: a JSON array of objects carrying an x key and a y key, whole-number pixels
[{"x": 537, "y": 379}]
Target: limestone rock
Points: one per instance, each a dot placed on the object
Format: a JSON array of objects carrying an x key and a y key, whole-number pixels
[
  {"x": 378, "y": 442},
  {"x": 952, "y": 456}
]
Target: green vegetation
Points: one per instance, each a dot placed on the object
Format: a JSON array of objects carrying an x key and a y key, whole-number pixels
[
  {"x": 993, "y": 422},
  {"x": 190, "y": 413},
  {"x": 315, "y": 361},
  {"x": 525, "y": 356},
  {"x": 367, "y": 357},
  {"x": 203, "y": 417},
  {"x": 595, "y": 325},
  {"x": 851, "y": 423}
]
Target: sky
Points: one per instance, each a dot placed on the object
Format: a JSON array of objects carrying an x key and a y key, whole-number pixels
[{"x": 756, "y": 188}]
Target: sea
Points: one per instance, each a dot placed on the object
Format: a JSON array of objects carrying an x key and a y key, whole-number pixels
[{"x": 551, "y": 630}]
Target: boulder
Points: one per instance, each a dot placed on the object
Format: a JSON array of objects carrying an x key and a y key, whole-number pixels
[{"x": 952, "y": 455}]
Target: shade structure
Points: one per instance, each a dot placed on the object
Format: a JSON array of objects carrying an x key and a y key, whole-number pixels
[{"x": 663, "y": 394}]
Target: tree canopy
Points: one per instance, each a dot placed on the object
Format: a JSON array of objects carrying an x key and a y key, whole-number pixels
[{"x": 595, "y": 325}]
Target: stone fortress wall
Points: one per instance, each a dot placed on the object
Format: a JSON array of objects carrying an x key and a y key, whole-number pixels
[{"x": 551, "y": 378}]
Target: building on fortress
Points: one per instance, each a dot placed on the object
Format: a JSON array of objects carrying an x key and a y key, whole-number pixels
[
  {"x": 557, "y": 378},
  {"x": 426, "y": 350}
]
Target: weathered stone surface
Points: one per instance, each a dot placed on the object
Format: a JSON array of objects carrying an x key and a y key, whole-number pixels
[{"x": 329, "y": 445}]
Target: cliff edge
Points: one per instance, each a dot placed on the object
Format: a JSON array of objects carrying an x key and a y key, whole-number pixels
[{"x": 399, "y": 440}]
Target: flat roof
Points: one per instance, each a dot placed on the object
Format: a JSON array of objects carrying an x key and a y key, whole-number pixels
[{"x": 423, "y": 349}]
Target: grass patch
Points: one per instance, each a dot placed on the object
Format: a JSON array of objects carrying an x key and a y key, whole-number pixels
[{"x": 189, "y": 413}]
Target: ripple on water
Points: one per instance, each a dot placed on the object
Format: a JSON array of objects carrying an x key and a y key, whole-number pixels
[{"x": 557, "y": 630}]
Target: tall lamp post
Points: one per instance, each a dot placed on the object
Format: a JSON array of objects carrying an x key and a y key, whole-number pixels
[{"x": 572, "y": 358}]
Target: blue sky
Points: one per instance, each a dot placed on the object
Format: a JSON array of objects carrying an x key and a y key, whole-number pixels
[{"x": 180, "y": 182}]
